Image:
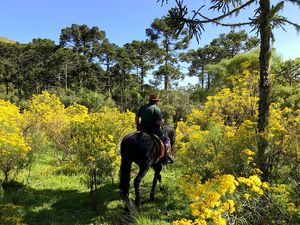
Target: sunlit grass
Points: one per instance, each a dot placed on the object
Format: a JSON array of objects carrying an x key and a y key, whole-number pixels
[{"x": 42, "y": 194}]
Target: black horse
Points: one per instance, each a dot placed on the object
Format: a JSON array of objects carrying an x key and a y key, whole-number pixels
[{"x": 144, "y": 149}]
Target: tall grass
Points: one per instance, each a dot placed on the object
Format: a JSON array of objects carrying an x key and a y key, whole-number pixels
[{"x": 46, "y": 195}]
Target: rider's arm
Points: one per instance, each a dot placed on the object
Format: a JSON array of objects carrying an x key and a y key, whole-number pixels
[
  {"x": 159, "y": 122},
  {"x": 158, "y": 117}
]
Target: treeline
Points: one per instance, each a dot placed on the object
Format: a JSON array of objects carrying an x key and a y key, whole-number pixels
[
  {"x": 217, "y": 133},
  {"x": 216, "y": 145},
  {"x": 86, "y": 63}
]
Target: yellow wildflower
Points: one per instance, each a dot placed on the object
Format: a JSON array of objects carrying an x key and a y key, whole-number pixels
[
  {"x": 248, "y": 152},
  {"x": 247, "y": 196},
  {"x": 265, "y": 185},
  {"x": 258, "y": 190},
  {"x": 256, "y": 180},
  {"x": 231, "y": 205},
  {"x": 292, "y": 208}
]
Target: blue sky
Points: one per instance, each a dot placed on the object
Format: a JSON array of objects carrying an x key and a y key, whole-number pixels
[{"x": 122, "y": 20}]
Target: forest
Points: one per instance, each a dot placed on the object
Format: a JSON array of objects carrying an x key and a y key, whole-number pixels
[{"x": 65, "y": 108}]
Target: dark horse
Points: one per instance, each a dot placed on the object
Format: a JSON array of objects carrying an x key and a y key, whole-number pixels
[{"x": 144, "y": 150}]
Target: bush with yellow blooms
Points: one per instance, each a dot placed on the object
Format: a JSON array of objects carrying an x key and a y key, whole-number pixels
[
  {"x": 216, "y": 149},
  {"x": 14, "y": 149},
  {"x": 94, "y": 141}
]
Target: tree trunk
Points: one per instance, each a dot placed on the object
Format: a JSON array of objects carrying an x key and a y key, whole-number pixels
[
  {"x": 66, "y": 77},
  {"x": 264, "y": 85},
  {"x": 166, "y": 76},
  {"x": 202, "y": 77},
  {"x": 6, "y": 87},
  {"x": 166, "y": 82},
  {"x": 108, "y": 87},
  {"x": 143, "y": 74},
  {"x": 93, "y": 189},
  {"x": 6, "y": 177},
  {"x": 108, "y": 81},
  {"x": 5, "y": 183},
  {"x": 208, "y": 81},
  {"x": 142, "y": 83}
]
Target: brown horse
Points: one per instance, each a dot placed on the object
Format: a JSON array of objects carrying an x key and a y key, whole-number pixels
[{"x": 143, "y": 149}]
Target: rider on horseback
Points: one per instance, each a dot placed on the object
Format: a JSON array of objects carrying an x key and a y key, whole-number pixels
[{"x": 151, "y": 121}]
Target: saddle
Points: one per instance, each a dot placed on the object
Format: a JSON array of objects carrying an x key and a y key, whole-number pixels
[
  {"x": 162, "y": 147},
  {"x": 157, "y": 139}
]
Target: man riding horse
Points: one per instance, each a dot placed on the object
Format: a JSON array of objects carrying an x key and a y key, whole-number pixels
[
  {"x": 146, "y": 150},
  {"x": 151, "y": 121}
]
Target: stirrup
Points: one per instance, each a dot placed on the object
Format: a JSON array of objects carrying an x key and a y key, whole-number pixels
[{"x": 168, "y": 160}]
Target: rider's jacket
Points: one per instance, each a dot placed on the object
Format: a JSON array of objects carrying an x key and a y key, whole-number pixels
[{"x": 149, "y": 114}]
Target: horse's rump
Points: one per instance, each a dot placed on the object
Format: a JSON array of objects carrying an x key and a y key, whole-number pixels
[{"x": 141, "y": 145}]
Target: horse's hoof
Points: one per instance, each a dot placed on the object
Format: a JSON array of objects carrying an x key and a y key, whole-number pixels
[
  {"x": 152, "y": 197},
  {"x": 162, "y": 189}
]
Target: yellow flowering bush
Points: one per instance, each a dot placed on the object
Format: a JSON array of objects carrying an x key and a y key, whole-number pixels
[
  {"x": 76, "y": 113},
  {"x": 283, "y": 196},
  {"x": 231, "y": 106},
  {"x": 215, "y": 136},
  {"x": 48, "y": 117},
  {"x": 221, "y": 198},
  {"x": 219, "y": 148},
  {"x": 220, "y": 140},
  {"x": 14, "y": 149},
  {"x": 44, "y": 121},
  {"x": 223, "y": 149},
  {"x": 95, "y": 139},
  {"x": 283, "y": 135},
  {"x": 46, "y": 112}
]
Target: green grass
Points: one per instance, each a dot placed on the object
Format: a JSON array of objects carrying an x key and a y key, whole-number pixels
[
  {"x": 46, "y": 197},
  {"x": 6, "y": 40}
]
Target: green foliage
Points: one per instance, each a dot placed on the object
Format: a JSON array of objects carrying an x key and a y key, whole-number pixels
[
  {"x": 93, "y": 100},
  {"x": 287, "y": 96},
  {"x": 220, "y": 72},
  {"x": 170, "y": 42},
  {"x": 144, "y": 55},
  {"x": 287, "y": 72},
  {"x": 175, "y": 105},
  {"x": 82, "y": 39},
  {"x": 226, "y": 46},
  {"x": 68, "y": 137},
  {"x": 65, "y": 199}
]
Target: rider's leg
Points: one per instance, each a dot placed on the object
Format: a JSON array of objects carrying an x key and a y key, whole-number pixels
[{"x": 167, "y": 159}]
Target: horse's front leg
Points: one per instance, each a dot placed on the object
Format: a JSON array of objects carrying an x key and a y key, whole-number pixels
[
  {"x": 157, "y": 177},
  {"x": 142, "y": 172}
]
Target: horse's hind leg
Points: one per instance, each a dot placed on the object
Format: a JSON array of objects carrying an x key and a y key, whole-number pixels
[
  {"x": 142, "y": 172},
  {"x": 157, "y": 177}
]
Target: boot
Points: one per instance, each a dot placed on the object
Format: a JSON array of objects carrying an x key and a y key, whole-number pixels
[{"x": 167, "y": 159}]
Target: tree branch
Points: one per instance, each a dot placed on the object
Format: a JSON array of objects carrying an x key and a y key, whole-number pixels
[
  {"x": 225, "y": 24},
  {"x": 235, "y": 10}
]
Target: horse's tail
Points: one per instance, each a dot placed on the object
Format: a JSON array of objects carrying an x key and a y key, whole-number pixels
[{"x": 125, "y": 176}]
